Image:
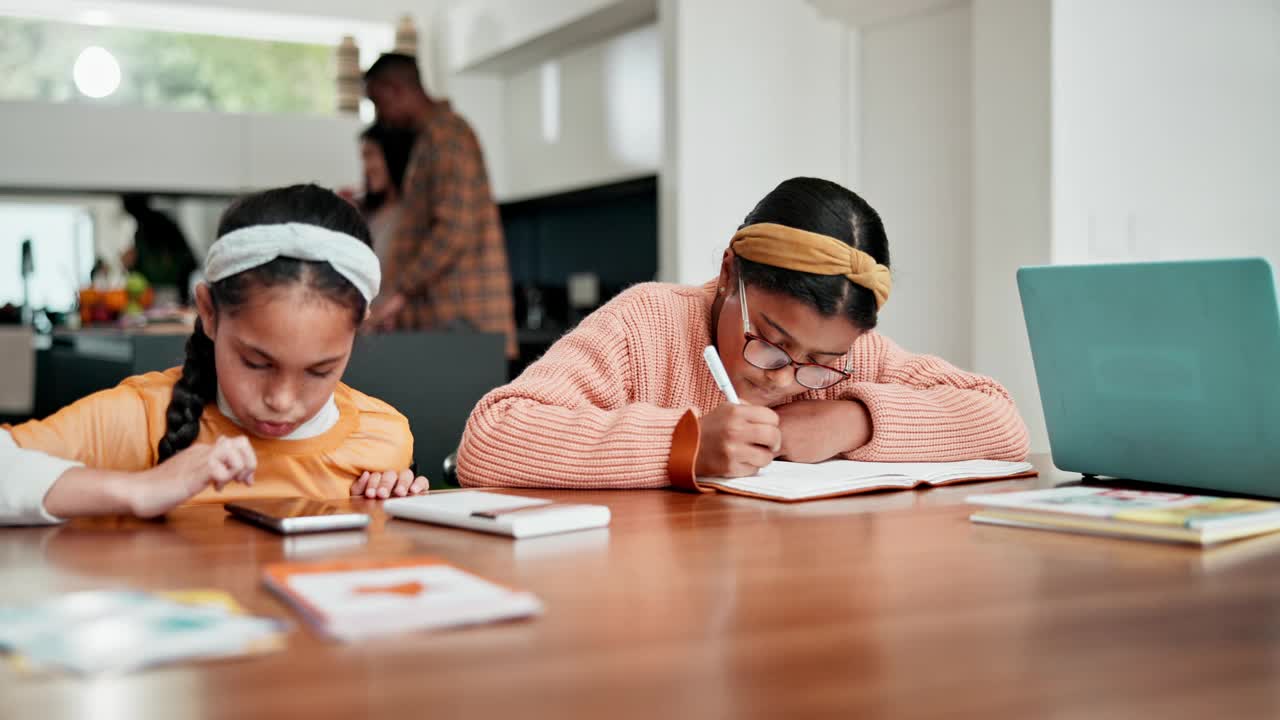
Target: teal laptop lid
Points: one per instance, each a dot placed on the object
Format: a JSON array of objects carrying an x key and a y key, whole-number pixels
[{"x": 1162, "y": 372}]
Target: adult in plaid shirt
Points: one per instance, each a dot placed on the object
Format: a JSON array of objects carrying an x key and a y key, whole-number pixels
[{"x": 449, "y": 259}]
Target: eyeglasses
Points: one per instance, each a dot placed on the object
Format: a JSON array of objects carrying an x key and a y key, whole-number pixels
[{"x": 765, "y": 355}]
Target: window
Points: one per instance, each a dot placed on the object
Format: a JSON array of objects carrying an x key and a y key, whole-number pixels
[
  {"x": 50, "y": 61},
  {"x": 61, "y": 238}
]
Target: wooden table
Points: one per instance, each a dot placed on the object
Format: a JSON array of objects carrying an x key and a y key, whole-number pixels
[{"x": 713, "y": 606}]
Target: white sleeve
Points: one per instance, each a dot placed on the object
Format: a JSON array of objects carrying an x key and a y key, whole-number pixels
[{"x": 25, "y": 478}]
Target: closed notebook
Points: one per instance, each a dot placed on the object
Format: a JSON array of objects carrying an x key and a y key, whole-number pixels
[
  {"x": 353, "y": 599},
  {"x": 1174, "y": 517},
  {"x": 514, "y": 515},
  {"x": 792, "y": 482}
]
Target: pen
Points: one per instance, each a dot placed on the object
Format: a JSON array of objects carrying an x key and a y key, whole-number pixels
[{"x": 719, "y": 374}]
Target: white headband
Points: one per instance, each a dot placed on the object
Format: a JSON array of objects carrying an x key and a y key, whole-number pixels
[{"x": 249, "y": 247}]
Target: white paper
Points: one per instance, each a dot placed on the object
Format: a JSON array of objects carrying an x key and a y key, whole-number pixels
[{"x": 797, "y": 481}]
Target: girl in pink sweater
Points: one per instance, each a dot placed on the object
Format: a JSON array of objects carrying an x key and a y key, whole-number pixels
[{"x": 625, "y": 400}]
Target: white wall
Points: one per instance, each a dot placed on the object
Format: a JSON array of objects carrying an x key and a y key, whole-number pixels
[
  {"x": 1011, "y": 171},
  {"x": 378, "y": 10},
  {"x": 753, "y": 96},
  {"x": 1166, "y": 129},
  {"x": 590, "y": 117},
  {"x": 912, "y": 120},
  {"x": 477, "y": 97},
  {"x": 480, "y": 28},
  {"x": 69, "y": 146},
  {"x": 885, "y": 109},
  {"x": 486, "y": 54}
]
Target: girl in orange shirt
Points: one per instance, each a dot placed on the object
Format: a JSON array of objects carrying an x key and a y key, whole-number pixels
[{"x": 256, "y": 410}]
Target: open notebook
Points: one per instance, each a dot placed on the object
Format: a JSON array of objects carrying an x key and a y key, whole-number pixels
[{"x": 792, "y": 482}]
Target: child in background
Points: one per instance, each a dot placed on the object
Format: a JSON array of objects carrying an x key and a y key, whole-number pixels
[
  {"x": 626, "y": 400},
  {"x": 256, "y": 410},
  {"x": 384, "y": 152}
]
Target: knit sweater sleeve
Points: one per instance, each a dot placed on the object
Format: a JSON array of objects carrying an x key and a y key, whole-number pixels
[
  {"x": 569, "y": 420},
  {"x": 925, "y": 409}
]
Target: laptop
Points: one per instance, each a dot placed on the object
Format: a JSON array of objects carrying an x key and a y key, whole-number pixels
[{"x": 1165, "y": 372}]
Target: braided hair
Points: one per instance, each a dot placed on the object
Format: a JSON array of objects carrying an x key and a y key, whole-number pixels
[{"x": 310, "y": 204}]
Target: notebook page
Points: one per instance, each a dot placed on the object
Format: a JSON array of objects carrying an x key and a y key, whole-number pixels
[
  {"x": 801, "y": 480},
  {"x": 968, "y": 469},
  {"x": 794, "y": 481}
]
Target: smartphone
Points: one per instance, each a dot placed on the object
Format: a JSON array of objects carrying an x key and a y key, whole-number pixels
[{"x": 288, "y": 516}]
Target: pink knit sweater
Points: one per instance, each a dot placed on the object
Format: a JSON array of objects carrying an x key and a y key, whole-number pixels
[{"x": 601, "y": 408}]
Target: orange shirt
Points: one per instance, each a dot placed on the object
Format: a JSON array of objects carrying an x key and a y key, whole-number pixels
[{"x": 119, "y": 429}]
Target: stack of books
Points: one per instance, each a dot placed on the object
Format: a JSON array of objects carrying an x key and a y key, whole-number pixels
[{"x": 1170, "y": 517}]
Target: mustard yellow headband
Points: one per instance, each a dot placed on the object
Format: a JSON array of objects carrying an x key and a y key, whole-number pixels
[{"x": 804, "y": 251}]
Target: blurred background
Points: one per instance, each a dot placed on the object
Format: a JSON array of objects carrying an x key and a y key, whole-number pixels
[{"x": 625, "y": 141}]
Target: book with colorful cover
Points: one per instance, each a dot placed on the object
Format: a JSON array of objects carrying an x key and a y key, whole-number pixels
[
  {"x": 355, "y": 598},
  {"x": 1177, "y": 517},
  {"x": 98, "y": 631}
]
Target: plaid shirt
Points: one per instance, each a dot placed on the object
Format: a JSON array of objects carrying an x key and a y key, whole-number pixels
[{"x": 449, "y": 258}]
